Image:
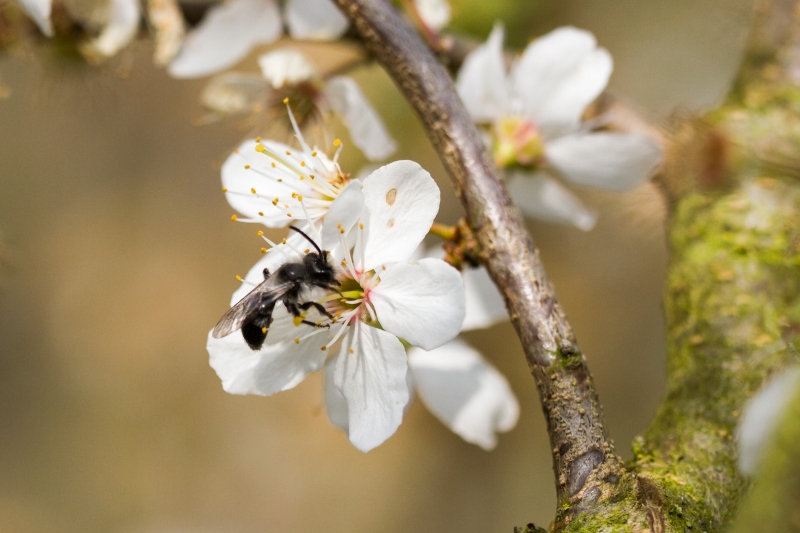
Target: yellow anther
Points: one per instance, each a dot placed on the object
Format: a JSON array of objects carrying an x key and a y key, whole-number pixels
[
  {"x": 275, "y": 201},
  {"x": 338, "y": 224},
  {"x": 261, "y": 213},
  {"x": 352, "y": 351},
  {"x": 258, "y": 139},
  {"x": 263, "y": 250},
  {"x": 260, "y": 233},
  {"x": 289, "y": 215},
  {"x": 341, "y": 230},
  {"x": 238, "y": 278},
  {"x": 273, "y": 166},
  {"x": 313, "y": 154},
  {"x": 263, "y": 330},
  {"x": 299, "y": 198},
  {"x": 338, "y": 314},
  {"x": 280, "y": 180},
  {"x": 302, "y": 177},
  {"x": 288, "y": 152},
  {"x": 319, "y": 323},
  {"x": 311, "y": 176},
  {"x": 306, "y": 250},
  {"x": 360, "y": 225},
  {"x": 252, "y": 190},
  {"x": 283, "y": 241},
  {"x": 260, "y": 148},
  {"x": 294, "y": 195},
  {"x": 323, "y": 347},
  {"x": 224, "y": 189},
  {"x": 302, "y": 163},
  {"x": 286, "y": 100},
  {"x": 344, "y": 262},
  {"x": 233, "y": 217},
  {"x": 337, "y": 142},
  {"x": 247, "y": 167},
  {"x": 297, "y": 340},
  {"x": 383, "y": 267}
]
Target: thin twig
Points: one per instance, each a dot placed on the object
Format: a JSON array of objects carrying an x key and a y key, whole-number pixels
[{"x": 582, "y": 454}]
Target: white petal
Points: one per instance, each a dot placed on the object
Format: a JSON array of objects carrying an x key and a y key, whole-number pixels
[
  {"x": 262, "y": 177},
  {"x": 280, "y": 365},
  {"x": 364, "y": 124},
  {"x": 481, "y": 82},
  {"x": 342, "y": 214},
  {"x": 371, "y": 374},
  {"x": 286, "y": 66},
  {"x": 435, "y": 13},
  {"x": 335, "y": 404},
  {"x": 225, "y": 36},
  {"x": 559, "y": 74},
  {"x": 234, "y": 92},
  {"x": 318, "y": 20},
  {"x": 39, "y": 12},
  {"x": 761, "y": 418},
  {"x": 540, "y": 196},
  {"x": 421, "y": 302},
  {"x": 484, "y": 304},
  {"x": 605, "y": 160},
  {"x": 465, "y": 392},
  {"x": 403, "y": 200},
  {"x": 123, "y": 23}
]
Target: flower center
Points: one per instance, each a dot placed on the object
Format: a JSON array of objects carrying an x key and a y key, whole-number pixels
[{"x": 516, "y": 142}]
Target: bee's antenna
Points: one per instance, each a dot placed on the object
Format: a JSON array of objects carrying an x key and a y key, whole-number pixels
[{"x": 301, "y": 232}]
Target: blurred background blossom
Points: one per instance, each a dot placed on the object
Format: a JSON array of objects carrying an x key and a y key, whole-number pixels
[{"x": 119, "y": 255}]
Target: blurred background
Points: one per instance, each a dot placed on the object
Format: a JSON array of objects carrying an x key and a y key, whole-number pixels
[{"x": 118, "y": 255}]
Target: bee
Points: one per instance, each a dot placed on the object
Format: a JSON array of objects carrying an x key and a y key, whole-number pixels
[{"x": 253, "y": 313}]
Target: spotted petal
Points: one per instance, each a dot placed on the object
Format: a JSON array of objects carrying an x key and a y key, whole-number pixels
[
  {"x": 402, "y": 200},
  {"x": 370, "y": 373},
  {"x": 465, "y": 392},
  {"x": 364, "y": 124},
  {"x": 228, "y": 32},
  {"x": 421, "y": 302},
  {"x": 610, "y": 161}
]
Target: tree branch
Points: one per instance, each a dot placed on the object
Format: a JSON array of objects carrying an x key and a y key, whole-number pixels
[{"x": 583, "y": 457}]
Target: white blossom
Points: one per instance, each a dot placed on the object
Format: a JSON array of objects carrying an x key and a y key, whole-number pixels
[
  {"x": 288, "y": 74},
  {"x": 761, "y": 418},
  {"x": 229, "y": 31},
  {"x": 534, "y": 112},
  {"x": 384, "y": 297}
]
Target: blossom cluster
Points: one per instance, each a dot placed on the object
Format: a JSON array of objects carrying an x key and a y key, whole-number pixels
[{"x": 389, "y": 298}]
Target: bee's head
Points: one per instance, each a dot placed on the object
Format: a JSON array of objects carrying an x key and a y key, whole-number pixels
[{"x": 320, "y": 266}]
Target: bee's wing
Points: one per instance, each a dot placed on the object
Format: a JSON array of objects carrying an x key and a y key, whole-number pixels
[{"x": 267, "y": 292}]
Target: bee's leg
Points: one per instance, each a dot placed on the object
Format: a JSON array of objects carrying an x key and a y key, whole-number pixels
[
  {"x": 318, "y": 307},
  {"x": 266, "y": 273}
]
